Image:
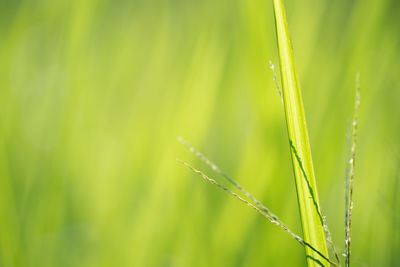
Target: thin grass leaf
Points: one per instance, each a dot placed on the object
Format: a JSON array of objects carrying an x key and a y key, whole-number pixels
[
  {"x": 312, "y": 224},
  {"x": 350, "y": 174},
  {"x": 266, "y": 215}
]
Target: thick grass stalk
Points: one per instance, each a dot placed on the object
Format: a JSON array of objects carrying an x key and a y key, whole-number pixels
[{"x": 311, "y": 218}]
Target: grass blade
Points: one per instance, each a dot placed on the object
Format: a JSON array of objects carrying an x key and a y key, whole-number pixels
[
  {"x": 328, "y": 236},
  {"x": 311, "y": 218}
]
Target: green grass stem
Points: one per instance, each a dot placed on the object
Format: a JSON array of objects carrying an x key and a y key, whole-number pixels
[
  {"x": 256, "y": 205},
  {"x": 350, "y": 174}
]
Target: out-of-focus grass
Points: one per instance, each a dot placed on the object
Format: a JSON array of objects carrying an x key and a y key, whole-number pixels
[{"x": 94, "y": 93}]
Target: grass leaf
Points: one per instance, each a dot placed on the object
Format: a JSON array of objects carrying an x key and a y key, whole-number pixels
[{"x": 311, "y": 218}]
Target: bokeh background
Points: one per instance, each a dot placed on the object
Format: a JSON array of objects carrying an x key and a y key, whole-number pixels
[{"x": 94, "y": 93}]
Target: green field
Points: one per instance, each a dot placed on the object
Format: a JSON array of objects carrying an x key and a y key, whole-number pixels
[{"x": 94, "y": 93}]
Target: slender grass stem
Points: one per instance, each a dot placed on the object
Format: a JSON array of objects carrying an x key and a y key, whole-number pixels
[
  {"x": 274, "y": 77},
  {"x": 273, "y": 219},
  {"x": 350, "y": 174},
  {"x": 217, "y": 170},
  {"x": 312, "y": 223},
  {"x": 328, "y": 238}
]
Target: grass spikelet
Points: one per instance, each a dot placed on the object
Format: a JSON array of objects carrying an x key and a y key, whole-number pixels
[
  {"x": 274, "y": 77},
  {"x": 217, "y": 170},
  {"x": 350, "y": 174},
  {"x": 271, "y": 219}
]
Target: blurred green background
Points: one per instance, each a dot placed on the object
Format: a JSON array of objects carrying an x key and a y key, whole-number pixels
[{"x": 94, "y": 93}]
